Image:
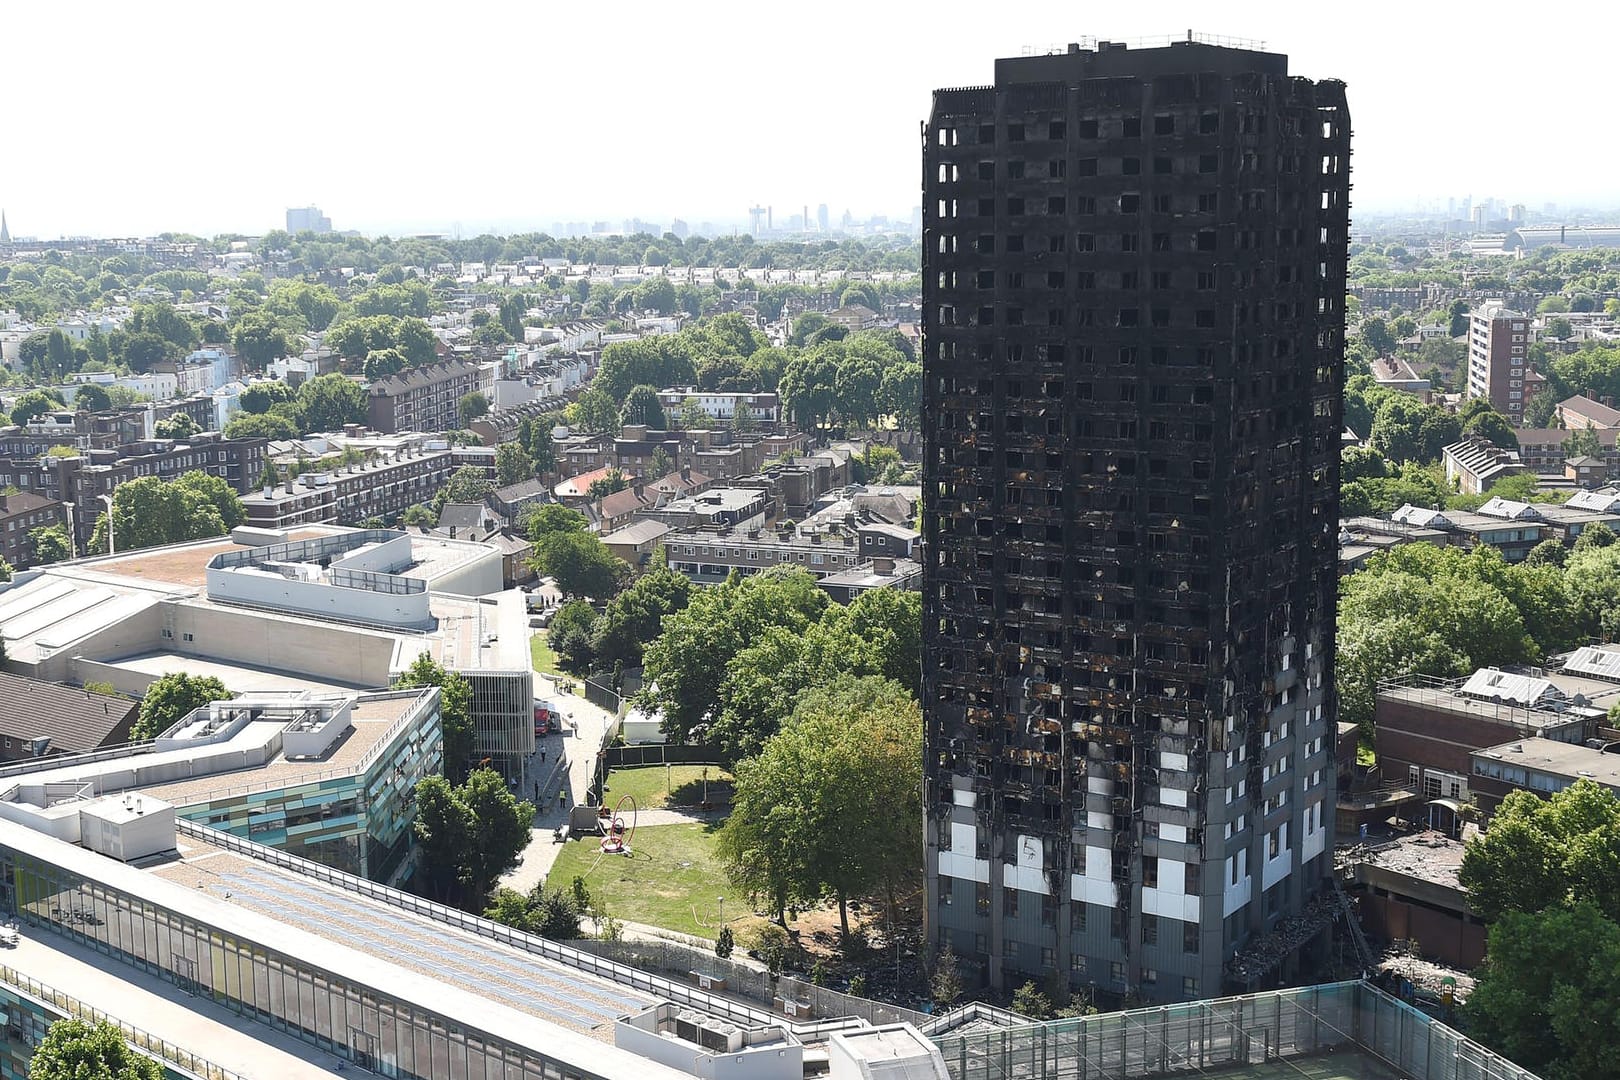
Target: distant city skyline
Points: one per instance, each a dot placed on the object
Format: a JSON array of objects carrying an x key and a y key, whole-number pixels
[{"x": 236, "y": 117}]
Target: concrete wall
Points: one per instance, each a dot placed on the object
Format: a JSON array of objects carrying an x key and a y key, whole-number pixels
[
  {"x": 482, "y": 576},
  {"x": 343, "y": 654},
  {"x": 319, "y": 598}
]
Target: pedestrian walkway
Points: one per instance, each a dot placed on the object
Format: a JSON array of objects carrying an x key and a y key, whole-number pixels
[{"x": 570, "y": 762}]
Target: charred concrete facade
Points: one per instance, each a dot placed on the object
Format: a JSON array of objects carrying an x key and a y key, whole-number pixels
[{"x": 1134, "y": 278}]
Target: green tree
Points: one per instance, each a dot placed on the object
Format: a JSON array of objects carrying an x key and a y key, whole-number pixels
[
  {"x": 636, "y": 616},
  {"x": 1547, "y": 553},
  {"x": 641, "y": 406},
  {"x": 467, "y": 484},
  {"x": 1028, "y": 1000},
  {"x": 609, "y": 482},
  {"x": 260, "y": 426},
  {"x": 693, "y": 416},
  {"x": 75, "y": 1049},
  {"x": 500, "y": 829},
  {"x": 1377, "y": 336},
  {"x": 327, "y": 402},
  {"x": 455, "y": 710},
  {"x": 593, "y": 412},
  {"x": 260, "y": 338},
  {"x": 1459, "y": 318},
  {"x": 660, "y": 466},
  {"x": 148, "y": 511},
  {"x": 512, "y": 464},
  {"x": 173, "y": 697},
  {"x": 443, "y": 830},
  {"x": 554, "y": 518},
  {"x": 471, "y": 407},
  {"x": 656, "y": 294},
  {"x": 945, "y": 984},
  {"x": 686, "y": 665},
  {"x": 33, "y": 404},
  {"x": 469, "y": 835},
  {"x": 581, "y": 564},
  {"x": 415, "y": 340},
  {"x": 50, "y": 544},
  {"x": 260, "y": 395},
  {"x": 91, "y": 398},
  {"x": 1493, "y": 426},
  {"x": 1582, "y": 441},
  {"x": 176, "y": 426},
  {"x": 381, "y": 363},
  {"x": 1546, "y": 997},
  {"x": 572, "y": 636},
  {"x": 900, "y": 394},
  {"x": 1442, "y": 612},
  {"x": 1541, "y": 853},
  {"x": 830, "y": 798}
]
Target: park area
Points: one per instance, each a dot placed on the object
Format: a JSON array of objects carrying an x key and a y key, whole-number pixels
[
  {"x": 657, "y": 787},
  {"x": 670, "y": 879}
]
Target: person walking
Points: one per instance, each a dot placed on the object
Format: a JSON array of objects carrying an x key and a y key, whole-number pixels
[{"x": 562, "y": 798}]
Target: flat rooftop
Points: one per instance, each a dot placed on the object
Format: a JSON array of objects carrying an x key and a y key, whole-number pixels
[
  {"x": 1427, "y": 856},
  {"x": 145, "y": 1001},
  {"x": 372, "y": 720},
  {"x": 183, "y": 564},
  {"x": 530, "y": 984},
  {"x": 240, "y": 678},
  {"x": 1573, "y": 760},
  {"x": 1442, "y": 697}
]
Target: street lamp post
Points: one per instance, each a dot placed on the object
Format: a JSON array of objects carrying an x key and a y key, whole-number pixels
[
  {"x": 112, "y": 546},
  {"x": 67, "y": 507}
]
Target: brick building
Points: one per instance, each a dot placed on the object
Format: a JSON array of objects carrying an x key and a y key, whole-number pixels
[
  {"x": 425, "y": 398},
  {"x": 21, "y": 513}
]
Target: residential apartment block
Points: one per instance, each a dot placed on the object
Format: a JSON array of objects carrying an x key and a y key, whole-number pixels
[
  {"x": 382, "y": 487},
  {"x": 1498, "y": 359},
  {"x": 20, "y": 514},
  {"x": 1133, "y": 286},
  {"x": 425, "y": 398}
]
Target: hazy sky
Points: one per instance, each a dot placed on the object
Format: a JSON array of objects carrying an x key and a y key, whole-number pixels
[{"x": 138, "y": 118}]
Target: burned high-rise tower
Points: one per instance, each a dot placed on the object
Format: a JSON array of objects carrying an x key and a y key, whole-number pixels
[{"x": 1134, "y": 281}]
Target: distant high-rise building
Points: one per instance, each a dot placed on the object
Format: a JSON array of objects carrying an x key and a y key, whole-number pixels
[
  {"x": 822, "y": 218},
  {"x": 1134, "y": 275},
  {"x": 307, "y": 219},
  {"x": 1498, "y": 359},
  {"x": 5, "y": 231},
  {"x": 679, "y": 229}
]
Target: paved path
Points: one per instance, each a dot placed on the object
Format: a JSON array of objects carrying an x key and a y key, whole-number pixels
[{"x": 570, "y": 758}]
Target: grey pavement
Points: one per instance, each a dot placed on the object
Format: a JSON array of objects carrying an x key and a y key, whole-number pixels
[{"x": 570, "y": 756}]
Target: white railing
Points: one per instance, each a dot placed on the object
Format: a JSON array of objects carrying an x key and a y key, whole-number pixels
[{"x": 178, "y": 1058}]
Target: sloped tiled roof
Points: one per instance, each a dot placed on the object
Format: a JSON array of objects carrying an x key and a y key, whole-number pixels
[
  {"x": 72, "y": 719},
  {"x": 627, "y": 501}
]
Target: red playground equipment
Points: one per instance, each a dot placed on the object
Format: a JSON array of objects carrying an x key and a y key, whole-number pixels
[{"x": 617, "y": 840}]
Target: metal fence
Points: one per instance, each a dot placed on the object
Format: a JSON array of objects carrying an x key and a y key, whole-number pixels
[
  {"x": 680, "y": 960},
  {"x": 1368, "y": 1032},
  {"x": 629, "y": 757},
  {"x": 178, "y": 1058}
]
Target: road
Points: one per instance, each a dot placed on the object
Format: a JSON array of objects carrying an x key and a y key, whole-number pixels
[{"x": 562, "y": 764}]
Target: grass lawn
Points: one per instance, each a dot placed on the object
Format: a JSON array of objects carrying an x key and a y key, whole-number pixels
[
  {"x": 671, "y": 880},
  {"x": 658, "y": 786},
  {"x": 545, "y": 661}
]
